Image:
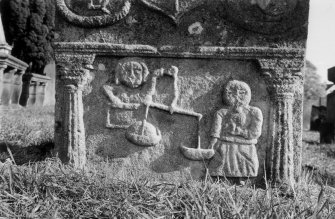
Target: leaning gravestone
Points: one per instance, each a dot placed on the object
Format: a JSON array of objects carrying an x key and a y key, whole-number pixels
[{"x": 178, "y": 88}]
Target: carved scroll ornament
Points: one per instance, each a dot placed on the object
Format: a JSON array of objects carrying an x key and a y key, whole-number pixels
[
  {"x": 105, "y": 18},
  {"x": 261, "y": 16}
]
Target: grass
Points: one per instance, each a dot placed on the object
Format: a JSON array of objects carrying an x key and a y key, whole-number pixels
[
  {"x": 49, "y": 189},
  {"x": 42, "y": 187},
  {"x": 319, "y": 158},
  {"x": 28, "y": 133}
]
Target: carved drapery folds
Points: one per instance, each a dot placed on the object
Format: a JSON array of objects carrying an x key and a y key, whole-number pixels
[
  {"x": 73, "y": 73},
  {"x": 283, "y": 77}
]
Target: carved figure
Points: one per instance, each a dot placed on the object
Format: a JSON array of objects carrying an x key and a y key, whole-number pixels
[
  {"x": 101, "y": 6},
  {"x": 133, "y": 73},
  {"x": 234, "y": 134}
]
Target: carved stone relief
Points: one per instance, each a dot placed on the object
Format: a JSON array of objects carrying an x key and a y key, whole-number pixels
[
  {"x": 234, "y": 134},
  {"x": 174, "y": 9},
  {"x": 261, "y": 16},
  {"x": 133, "y": 73},
  {"x": 78, "y": 12},
  {"x": 266, "y": 16}
]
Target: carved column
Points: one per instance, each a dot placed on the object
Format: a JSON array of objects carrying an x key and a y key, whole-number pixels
[
  {"x": 2, "y": 69},
  {"x": 7, "y": 86},
  {"x": 283, "y": 77},
  {"x": 17, "y": 87},
  {"x": 73, "y": 73}
]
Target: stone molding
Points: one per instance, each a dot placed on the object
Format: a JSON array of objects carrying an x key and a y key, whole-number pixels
[
  {"x": 9, "y": 60},
  {"x": 263, "y": 54}
]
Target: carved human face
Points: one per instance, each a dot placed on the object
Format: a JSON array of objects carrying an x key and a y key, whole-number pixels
[
  {"x": 237, "y": 94},
  {"x": 132, "y": 73}
]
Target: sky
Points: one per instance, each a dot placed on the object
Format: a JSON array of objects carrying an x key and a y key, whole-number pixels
[{"x": 321, "y": 35}]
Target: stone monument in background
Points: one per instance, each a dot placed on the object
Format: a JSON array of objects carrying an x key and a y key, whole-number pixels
[
  {"x": 141, "y": 84},
  {"x": 11, "y": 71},
  {"x": 327, "y": 127}
]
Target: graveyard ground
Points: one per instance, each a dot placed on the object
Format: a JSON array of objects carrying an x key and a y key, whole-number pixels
[{"x": 33, "y": 185}]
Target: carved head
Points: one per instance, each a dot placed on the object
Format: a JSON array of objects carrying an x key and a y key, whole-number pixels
[
  {"x": 131, "y": 72},
  {"x": 237, "y": 93}
]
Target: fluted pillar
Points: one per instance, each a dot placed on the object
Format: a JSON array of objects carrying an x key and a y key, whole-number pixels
[
  {"x": 7, "y": 86},
  {"x": 73, "y": 73},
  {"x": 2, "y": 69},
  {"x": 283, "y": 78},
  {"x": 17, "y": 87},
  {"x": 282, "y": 151}
]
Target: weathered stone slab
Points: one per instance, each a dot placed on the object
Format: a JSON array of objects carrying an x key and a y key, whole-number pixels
[{"x": 140, "y": 83}]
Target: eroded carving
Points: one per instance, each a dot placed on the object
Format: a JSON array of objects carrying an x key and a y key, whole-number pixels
[
  {"x": 73, "y": 74},
  {"x": 121, "y": 9},
  {"x": 234, "y": 134},
  {"x": 101, "y": 6},
  {"x": 132, "y": 73},
  {"x": 283, "y": 77},
  {"x": 267, "y": 16},
  {"x": 174, "y": 9}
]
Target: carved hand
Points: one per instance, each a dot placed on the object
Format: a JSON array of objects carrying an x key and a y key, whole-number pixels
[
  {"x": 147, "y": 100},
  {"x": 173, "y": 71},
  {"x": 158, "y": 72}
]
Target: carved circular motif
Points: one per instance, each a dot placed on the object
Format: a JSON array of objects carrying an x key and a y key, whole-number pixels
[
  {"x": 266, "y": 16},
  {"x": 93, "y": 13},
  {"x": 131, "y": 72},
  {"x": 276, "y": 7}
]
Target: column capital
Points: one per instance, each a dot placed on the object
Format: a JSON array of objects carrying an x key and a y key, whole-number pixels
[
  {"x": 282, "y": 74},
  {"x": 74, "y": 69}
]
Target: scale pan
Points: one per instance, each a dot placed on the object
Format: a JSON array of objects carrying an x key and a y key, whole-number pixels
[
  {"x": 151, "y": 135},
  {"x": 197, "y": 153}
]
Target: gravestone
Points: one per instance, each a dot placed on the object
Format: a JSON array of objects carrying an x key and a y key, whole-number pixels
[
  {"x": 181, "y": 88},
  {"x": 327, "y": 131},
  {"x": 318, "y": 116},
  {"x": 33, "y": 89},
  {"x": 11, "y": 71}
]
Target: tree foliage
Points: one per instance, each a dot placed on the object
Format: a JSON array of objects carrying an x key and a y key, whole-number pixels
[
  {"x": 314, "y": 88},
  {"x": 29, "y": 27}
]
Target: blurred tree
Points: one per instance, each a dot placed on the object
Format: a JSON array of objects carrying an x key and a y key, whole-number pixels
[
  {"x": 29, "y": 27},
  {"x": 314, "y": 88}
]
